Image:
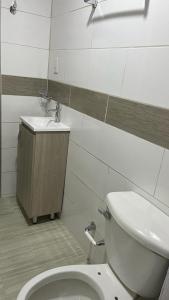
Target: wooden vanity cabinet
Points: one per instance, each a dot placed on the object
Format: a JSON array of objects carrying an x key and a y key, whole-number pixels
[{"x": 41, "y": 168}]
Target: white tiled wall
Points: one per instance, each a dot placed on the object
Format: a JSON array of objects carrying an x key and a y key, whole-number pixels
[
  {"x": 121, "y": 49},
  {"x": 24, "y": 61},
  {"x": 24, "y": 52},
  {"x": 103, "y": 159},
  {"x": 12, "y": 108}
]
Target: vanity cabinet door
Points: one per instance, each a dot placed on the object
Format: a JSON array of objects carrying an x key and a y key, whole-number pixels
[
  {"x": 41, "y": 168},
  {"x": 26, "y": 140},
  {"x": 49, "y": 172}
]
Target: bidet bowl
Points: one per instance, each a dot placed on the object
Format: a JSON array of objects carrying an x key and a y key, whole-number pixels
[
  {"x": 61, "y": 283},
  {"x": 78, "y": 282}
]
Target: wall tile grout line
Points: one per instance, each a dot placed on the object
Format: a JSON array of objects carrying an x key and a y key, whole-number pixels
[
  {"x": 25, "y": 45},
  {"x": 158, "y": 175},
  {"x": 106, "y": 108},
  {"x": 49, "y": 46},
  {"x": 86, "y": 185},
  {"x": 113, "y": 47},
  {"x": 70, "y": 94},
  {"x": 71, "y": 11},
  {"x": 27, "y": 12},
  {"x": 124, "y": 71}
]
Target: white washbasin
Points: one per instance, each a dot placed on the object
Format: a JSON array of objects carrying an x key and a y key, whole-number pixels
[{"x": 43, "y": 124}]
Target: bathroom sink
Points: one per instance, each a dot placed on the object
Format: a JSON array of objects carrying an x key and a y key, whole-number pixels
[{"x": 43, "y": 124}]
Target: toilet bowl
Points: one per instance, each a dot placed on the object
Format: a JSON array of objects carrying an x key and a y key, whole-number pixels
[
  {"x": 81, "y": 282},
  {"x": 137, "y": 247}
]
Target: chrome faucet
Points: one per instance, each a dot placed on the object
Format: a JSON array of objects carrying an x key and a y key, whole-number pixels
[
  {"x": 44, "y": 95},
  {"x": 57, "y": 111}
]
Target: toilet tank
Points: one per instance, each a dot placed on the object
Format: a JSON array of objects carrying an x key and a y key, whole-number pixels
[{"x": 137, "y": 243}]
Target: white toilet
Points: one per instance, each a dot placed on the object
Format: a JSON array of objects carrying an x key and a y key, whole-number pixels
[{"x": 137, "y": 246}]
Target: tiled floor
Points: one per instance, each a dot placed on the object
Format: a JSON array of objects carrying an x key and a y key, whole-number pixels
[{"x": 25, "y": 251}]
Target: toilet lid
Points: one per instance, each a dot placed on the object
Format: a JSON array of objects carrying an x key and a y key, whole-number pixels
[{"x": 141, "y": 220}]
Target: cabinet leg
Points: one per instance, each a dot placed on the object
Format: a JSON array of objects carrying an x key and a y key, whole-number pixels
[
  {"x": 34, "y": 220},
  {"x": 52, "y": 216}
]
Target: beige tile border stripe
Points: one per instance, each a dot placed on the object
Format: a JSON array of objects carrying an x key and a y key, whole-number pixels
[
  {"x": 22, "y": 86},
  {"x": 146, "y": 121}
]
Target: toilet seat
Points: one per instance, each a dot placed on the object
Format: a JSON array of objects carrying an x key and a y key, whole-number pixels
[{"x": 100, "y": 279}]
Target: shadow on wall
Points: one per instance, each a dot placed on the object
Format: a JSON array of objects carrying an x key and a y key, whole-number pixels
[{"x": 127, "y": 14}]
